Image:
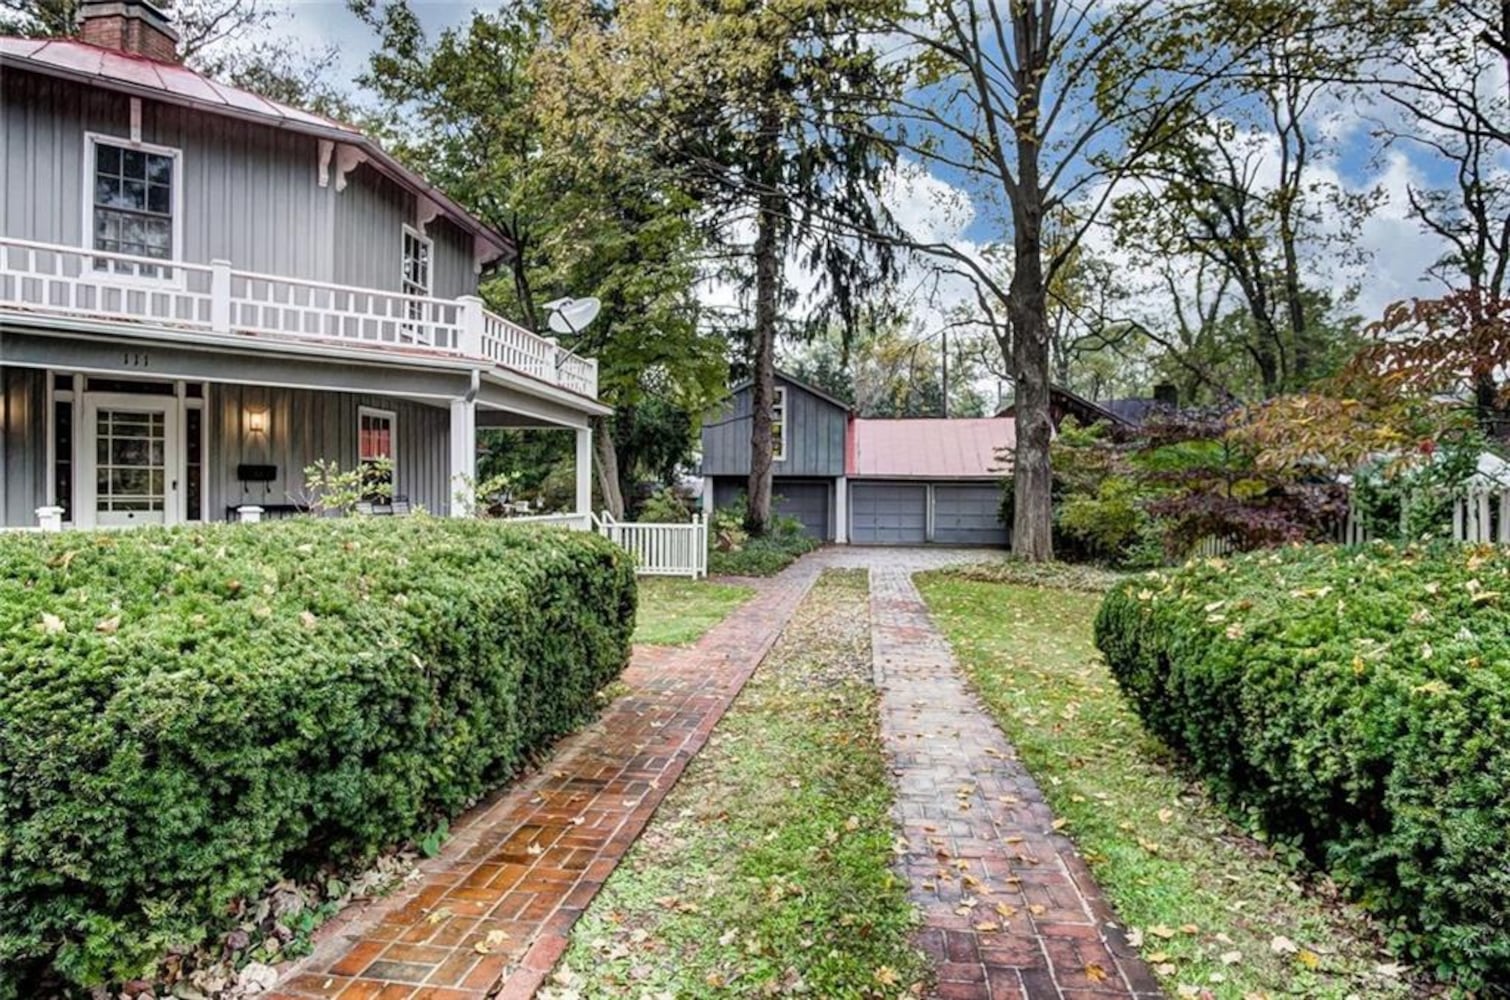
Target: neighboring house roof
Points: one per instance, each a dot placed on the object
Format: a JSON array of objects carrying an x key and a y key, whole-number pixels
[
  {"x": 782, "y": 376},
  {"x": 923, "y": 448},
  {"x": 175, "y": 84},
  {"x": 1134, "y": 411},
  {"x": 1087, "y": 411}
]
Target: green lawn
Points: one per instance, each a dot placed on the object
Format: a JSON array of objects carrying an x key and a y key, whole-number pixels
[
  {"x": 1214, "y": 909},
  {"x": 674, "y": 612},
  {"x": 767, "y": 869}
]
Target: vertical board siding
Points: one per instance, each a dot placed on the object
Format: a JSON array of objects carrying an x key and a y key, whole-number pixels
[
  {"x": 815, "y": 436},
  {"x": 304, "y": 426},
  {"x": 369, "y": 230},
  {"x": 23, "y": 446},
  {"x": 250, "y": 193}
]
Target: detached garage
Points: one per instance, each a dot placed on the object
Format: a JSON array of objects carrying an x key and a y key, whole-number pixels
[
  {"x": 871, "y": 482},
  {"x": 917, "y": 482}
]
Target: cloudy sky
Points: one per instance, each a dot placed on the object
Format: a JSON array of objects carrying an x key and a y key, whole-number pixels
[{"x": 1397, "y": 251}]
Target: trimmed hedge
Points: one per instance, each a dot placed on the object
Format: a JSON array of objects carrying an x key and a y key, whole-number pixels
[
  {"x": 188, "y": 715},
  {"x": 1355, "y": 703}
]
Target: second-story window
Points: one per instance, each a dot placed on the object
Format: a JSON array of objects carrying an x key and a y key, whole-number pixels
[
  {"x": 418, "y": 251},
  {"x": 778, "y": 425},
  {"x": 134, "y": 201}
]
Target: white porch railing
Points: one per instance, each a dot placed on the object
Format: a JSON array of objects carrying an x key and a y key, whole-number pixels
[
  {"x": 218, "y": 299},
  {"x": 575, "y": 522},
  {"x": 661, "y": 549}
]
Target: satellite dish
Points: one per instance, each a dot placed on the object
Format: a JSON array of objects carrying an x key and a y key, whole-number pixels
[{"x": 572, "y": 315}]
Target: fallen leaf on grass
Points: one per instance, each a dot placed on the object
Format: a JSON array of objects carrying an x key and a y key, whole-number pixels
[
  {"x": 1160, "y": 931},
  {"x": 886, "y": 976},
  {"x": 1231, "y": 957},
  {"x": 1282, "y": 945},
  {"x": 1308, "y": 958}
]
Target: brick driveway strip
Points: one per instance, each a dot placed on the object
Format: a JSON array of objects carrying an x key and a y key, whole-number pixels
[
  {"x": 1009, "y": 908},
  {"x": 497, "y": 905}
]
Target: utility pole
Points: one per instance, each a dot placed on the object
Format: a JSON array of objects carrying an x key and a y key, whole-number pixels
[{"x": 946, "y": 373}]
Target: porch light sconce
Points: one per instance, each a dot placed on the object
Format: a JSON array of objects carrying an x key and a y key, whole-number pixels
[{"x": 256, "y": 422}]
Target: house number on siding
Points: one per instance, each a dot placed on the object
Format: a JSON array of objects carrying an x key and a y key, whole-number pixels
[{"x": 132, "y": 359}]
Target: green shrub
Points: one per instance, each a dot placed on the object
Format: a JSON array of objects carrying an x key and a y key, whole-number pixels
[
  {"x": 1356, "y": 704},
  {"x": 731, "y": 552},
  {"x": 664, "y": 506},
  {"x": 188, "y": 715}
]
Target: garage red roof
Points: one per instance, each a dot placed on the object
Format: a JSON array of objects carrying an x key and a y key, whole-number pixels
[{"x": 964, "y": 448}]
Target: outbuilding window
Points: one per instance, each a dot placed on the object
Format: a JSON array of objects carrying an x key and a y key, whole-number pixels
[{"x": 778, "y": 424}]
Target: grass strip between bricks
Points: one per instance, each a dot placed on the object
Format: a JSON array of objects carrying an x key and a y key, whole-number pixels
[
  {"x": 1218, "y": 914},
  {"x": 767, "y": 870},
  {"x": 675, "y": 612}
]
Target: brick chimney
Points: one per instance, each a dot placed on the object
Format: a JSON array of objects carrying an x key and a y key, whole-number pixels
[{"x": 132, "y": 26}]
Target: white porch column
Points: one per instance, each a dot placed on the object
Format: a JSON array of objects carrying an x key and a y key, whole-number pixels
[
  {"x": 463, "y": 455},
  {"x": 50, "y": 518},
  {"x": 584, "y": 470},
  {"x": 707, "y": 492},
  {"x": 841, "y": 510}
]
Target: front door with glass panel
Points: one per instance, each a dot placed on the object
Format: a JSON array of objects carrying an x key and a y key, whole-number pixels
[{"x": 132, "y": 442}]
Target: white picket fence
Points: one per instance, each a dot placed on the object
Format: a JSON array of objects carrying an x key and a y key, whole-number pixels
[
  {"x": 658, "y": 549},
  {"x": 1482, "y": 516},
  {"x": 661, "y": 549}
]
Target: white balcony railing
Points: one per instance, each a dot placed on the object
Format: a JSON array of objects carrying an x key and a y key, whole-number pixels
[{"x": 218, "y": 299}]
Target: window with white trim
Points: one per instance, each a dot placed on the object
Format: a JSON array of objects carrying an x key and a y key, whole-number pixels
[
  {"x": 377, "y": 432},
  {"x": 419, "y": 253},
  {"x": 778, "y": 425},
  {"x": 133, "y": 203}
]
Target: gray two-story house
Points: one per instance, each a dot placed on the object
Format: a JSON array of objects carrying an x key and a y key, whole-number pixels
[{"x": 203, "y": 291}]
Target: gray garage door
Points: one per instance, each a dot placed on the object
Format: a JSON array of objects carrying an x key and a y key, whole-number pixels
[
  {"x": 967, "y": 515},
  {"x": 807, "y": 502},
  {"x": 888, "y": 513}
]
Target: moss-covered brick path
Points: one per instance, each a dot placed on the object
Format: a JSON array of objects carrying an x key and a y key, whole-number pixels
[{"x": 1008, "y": 908}]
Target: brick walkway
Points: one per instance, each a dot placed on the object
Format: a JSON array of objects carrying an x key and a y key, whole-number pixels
[
  {"x": 1009, "y": 908},
  {"x": 499, "y": 902}
]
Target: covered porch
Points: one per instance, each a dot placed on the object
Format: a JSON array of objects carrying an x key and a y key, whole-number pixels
[{"x": 101, "y": 431}]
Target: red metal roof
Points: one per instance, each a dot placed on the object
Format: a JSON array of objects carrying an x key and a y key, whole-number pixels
[
  {"x": 964, "y": 448},
  {"x": 176, "y": 84},
  {"x": 139, "y": 71}
]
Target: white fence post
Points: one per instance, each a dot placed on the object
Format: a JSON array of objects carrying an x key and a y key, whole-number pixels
[
  {"x": 220, "y": 296},
  {"x": 249, "y": 514},
  {"x": 50, "y": 518}
]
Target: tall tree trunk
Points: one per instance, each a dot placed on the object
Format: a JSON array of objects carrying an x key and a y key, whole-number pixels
[
  {"x": 1032, "y": 476},
  {"x": 1027, "y": 312},
  {"x": 767, "y": 287},
  {"x": 607, "y": 465}
]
